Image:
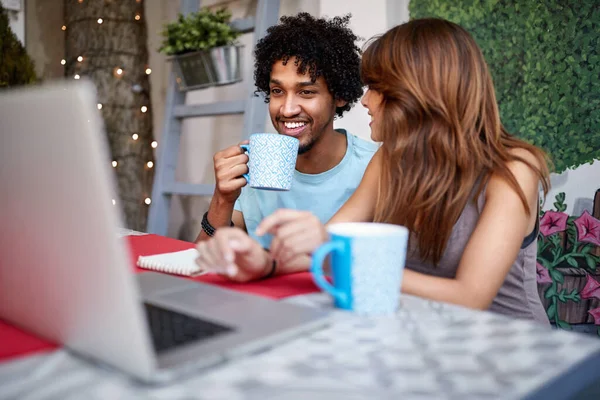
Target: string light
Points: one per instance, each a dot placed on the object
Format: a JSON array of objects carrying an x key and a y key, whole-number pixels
[
  {"x": 80, "y": 1},
  {"x": 118, "y": 72}
]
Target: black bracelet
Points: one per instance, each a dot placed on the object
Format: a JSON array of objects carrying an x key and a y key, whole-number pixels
[
  {"x": 272, "y": 272},
  {"x": 207, "y": 227}
]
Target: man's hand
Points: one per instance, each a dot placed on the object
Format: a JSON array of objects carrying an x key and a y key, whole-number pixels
[
  {"x": 230, "y": 164},
  {"x": 231, "y": 252}
]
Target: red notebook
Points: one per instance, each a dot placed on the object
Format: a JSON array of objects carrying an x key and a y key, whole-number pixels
[{"x": 16, "y": 342}]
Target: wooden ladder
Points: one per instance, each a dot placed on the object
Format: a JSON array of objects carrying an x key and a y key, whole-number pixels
[{"x": 252, "y": 107}]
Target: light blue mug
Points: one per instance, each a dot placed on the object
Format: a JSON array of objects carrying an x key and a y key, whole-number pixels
[
  {"x": 272, "y": 161},
  {"x": 367, "y": 263}
]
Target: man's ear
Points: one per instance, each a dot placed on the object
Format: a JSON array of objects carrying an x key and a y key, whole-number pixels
[{"x": 340, "y": 103}]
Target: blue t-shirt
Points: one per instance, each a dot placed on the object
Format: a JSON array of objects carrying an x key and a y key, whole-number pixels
[{"x": 323, "y": 194}]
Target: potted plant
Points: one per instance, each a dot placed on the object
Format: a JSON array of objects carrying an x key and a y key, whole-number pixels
[
  {"x": 567, "y": 265},
  {"x": 16, "y": 68},
  {"x": 203, "y": 49}
]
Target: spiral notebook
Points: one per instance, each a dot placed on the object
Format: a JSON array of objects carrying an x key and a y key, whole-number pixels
[{"x": 178, "y": 263}]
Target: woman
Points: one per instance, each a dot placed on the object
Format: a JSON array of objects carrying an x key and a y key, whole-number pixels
[{"x": 447, "y": 170}]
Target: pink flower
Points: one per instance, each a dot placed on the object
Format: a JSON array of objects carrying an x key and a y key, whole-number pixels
[
  {"x": 596, "y": 314},
  {"x": 591, "y": 289},
  {"x": 588, "y": 228},
  {"x": 542, "y": 274},
  {"x": 553, "y": 222}
]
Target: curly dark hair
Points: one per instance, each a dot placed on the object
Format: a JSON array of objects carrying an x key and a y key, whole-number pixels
[{"x": 322, "y": 47}]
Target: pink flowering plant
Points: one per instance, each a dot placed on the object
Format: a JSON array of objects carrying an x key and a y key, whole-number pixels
[{"x": 567, "y": 241}]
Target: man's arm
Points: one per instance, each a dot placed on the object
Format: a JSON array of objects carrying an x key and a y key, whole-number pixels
[
  {"x": 230, "y": 165},
  {"x": 221, "y": 214}
]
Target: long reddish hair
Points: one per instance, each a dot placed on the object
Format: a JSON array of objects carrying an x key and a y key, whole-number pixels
[{"x": 440, "y": 127}]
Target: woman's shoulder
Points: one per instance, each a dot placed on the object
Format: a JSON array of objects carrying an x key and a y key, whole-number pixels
[
  {"x": 524, "y": 166},
  {"x": 523, "y": 156}
]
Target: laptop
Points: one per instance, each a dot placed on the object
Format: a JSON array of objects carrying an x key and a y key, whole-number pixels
[{"x": 66, "y": 276}]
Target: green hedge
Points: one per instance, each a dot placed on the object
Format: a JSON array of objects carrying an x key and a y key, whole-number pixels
[
  {"x": 545, "y": 60},
  {"x": 16, "y": 68}
]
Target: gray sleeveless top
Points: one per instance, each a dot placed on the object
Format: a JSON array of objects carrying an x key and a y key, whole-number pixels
[{"x": 518, "y": 297}]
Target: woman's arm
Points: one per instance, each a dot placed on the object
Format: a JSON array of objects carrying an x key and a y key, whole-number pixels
[
  {"x": 493, "y": 246},
  {"x": 300, "y": 232}
]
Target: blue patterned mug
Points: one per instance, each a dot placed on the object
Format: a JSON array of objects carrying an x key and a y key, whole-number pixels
[
  {"x": 272, "y": 161},
  {"x": 367, "y": 262}
]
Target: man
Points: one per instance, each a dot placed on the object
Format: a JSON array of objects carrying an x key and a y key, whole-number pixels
[{"x": 309, "y": 71}]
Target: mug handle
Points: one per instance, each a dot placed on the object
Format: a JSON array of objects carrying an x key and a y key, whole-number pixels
[
  {"x": 246, "y": 148},
  {"x": 317, "y": 269}
]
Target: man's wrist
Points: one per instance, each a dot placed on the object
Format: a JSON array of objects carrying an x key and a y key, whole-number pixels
[
  {"x": 219, "y": 215},
  {"x": 208, "y": 228},
  {"x": 219, "y": 208},
  {"x": 222, "y": 202}
]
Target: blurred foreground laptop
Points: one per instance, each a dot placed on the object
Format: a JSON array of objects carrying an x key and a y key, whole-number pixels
[{"x": 65, "y": 275}]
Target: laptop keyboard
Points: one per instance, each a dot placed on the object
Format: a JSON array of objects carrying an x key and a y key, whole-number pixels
[{"x": 172, "y": 329}]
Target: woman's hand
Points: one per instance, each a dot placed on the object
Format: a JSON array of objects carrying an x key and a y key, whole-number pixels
[{"x": 295, "y": 233}]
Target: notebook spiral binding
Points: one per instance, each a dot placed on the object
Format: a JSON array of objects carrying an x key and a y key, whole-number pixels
[{"x": 176, "y": 266}]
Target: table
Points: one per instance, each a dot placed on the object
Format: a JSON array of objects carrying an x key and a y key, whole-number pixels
[{"x": 427, "y": 350}]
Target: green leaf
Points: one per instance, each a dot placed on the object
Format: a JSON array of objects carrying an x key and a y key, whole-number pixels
[
  {"x": 563, "y": 325},
  {"x": 591, "y": 263},
  {"x": 551, "y": 311},
  {"x": 556, "y": 276},
  {"x": 561, "y": 296},
  {"x": 16, "y": 67},
  {"x": 586, "y": 248},
  {"x": 538, "y": 46},
  {"x": 551, "y": 291},
  {"x": 572, "y": 262},
  {"x": 555, "y": 239},
  {"x": 555, "y": 251},
  {"x": 198, "y": 31}
]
